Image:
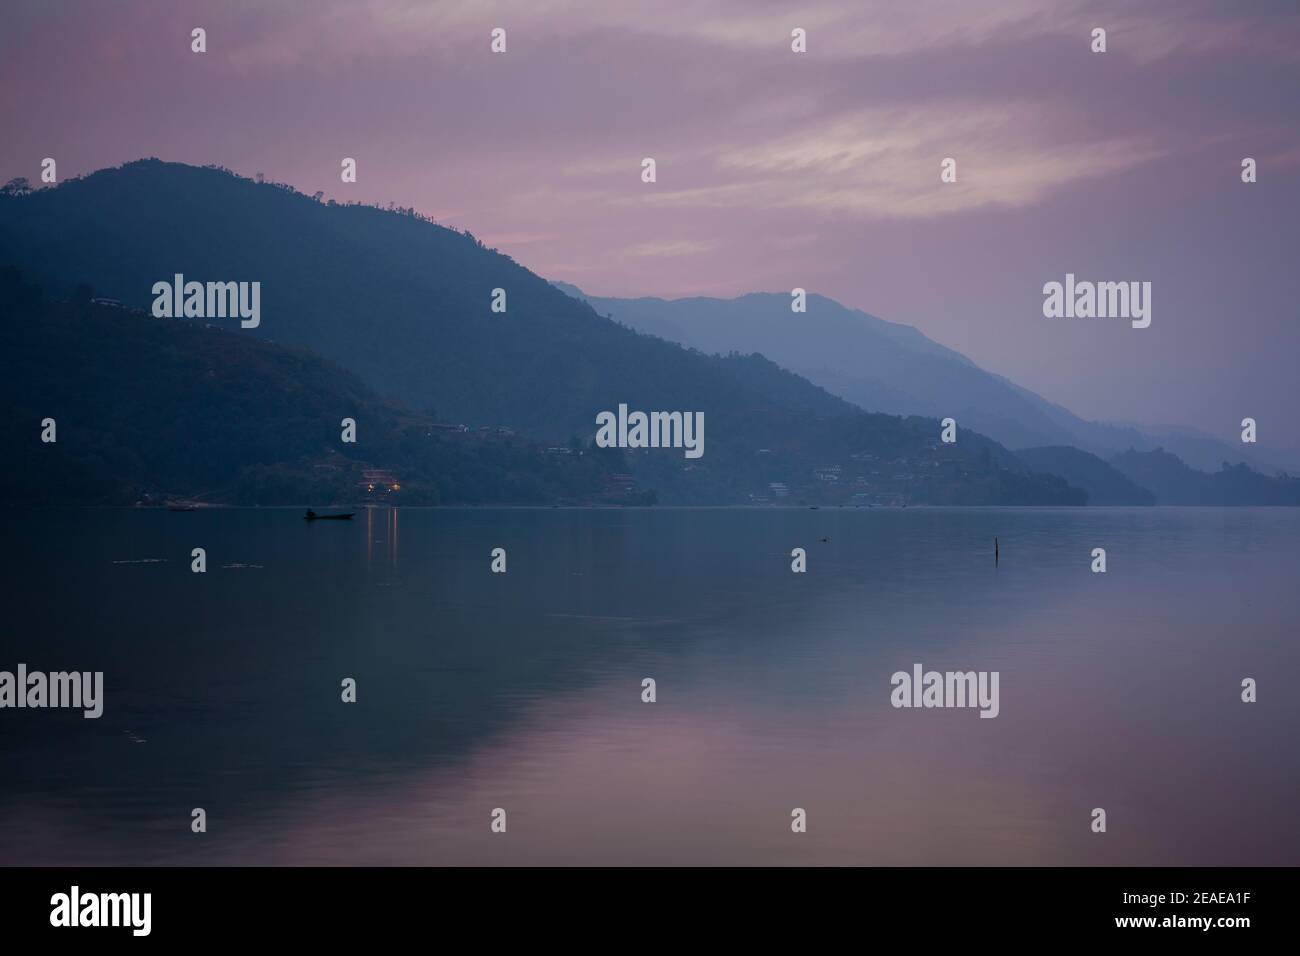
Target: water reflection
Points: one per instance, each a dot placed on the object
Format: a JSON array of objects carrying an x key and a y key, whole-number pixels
[
  {"x": 381, "y": 531},
  {"x": 522, "y": 690}
]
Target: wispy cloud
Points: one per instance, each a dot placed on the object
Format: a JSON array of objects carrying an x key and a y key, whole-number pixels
[
  {"x": 320, "y": 33},
  {"x": 884, "y": 163},
  {"x": 670, "y": 247}
]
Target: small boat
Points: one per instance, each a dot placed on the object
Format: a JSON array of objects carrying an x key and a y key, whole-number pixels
[{"x": 341, "y": 516}]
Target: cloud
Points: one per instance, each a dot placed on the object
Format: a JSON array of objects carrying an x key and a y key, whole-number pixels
[
  {"x": 670, "y": 247},
  {"x": 885, "y": 163},
  {"x": 311, "y": 33}
]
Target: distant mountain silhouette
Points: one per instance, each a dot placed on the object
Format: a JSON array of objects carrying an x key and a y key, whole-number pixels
[
  {"x": 1174, "y": 483},
  {"x": 151, "y": 409},
  {"x": 887, "y": 367},
  {"x": 405, "y": 304},
  {"x": 1105, "y": 484}
]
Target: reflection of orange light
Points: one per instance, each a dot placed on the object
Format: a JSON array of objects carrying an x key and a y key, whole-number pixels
[{"x": 396, "y": 486}]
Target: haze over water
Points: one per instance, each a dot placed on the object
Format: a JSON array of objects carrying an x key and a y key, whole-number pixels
[{"x": 523, "y": 690}]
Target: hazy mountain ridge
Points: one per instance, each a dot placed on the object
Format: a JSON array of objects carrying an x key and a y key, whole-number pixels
[
  {"x": 1105, "y": 484},
  {"x": 1174, "y": 483},
  {"x": 405, "y": 304},
  {"x": 889, "y": 367}
]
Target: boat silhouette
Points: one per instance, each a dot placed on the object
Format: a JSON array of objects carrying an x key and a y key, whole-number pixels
[{"x": 340, "y": 516}]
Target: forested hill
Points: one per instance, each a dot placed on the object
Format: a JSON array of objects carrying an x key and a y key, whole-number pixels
[
  {"x": 406, "y": 305},
  {"x": 1174, "y": 483},
  {"x": 1105, "y": 484},
  {"x": 151, "y": 410}
]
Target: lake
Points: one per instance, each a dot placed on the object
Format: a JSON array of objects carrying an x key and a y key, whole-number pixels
[{"x": 523, "y": 690}]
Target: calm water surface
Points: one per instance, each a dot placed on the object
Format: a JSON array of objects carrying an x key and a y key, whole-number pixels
[{"x": 523, "y": 690}]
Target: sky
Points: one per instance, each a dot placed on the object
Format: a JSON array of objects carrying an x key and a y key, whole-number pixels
[{"x": 775, "y": 169}]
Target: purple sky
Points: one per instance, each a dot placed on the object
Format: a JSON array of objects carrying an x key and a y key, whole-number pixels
[{"x": 775, "y": 170}]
